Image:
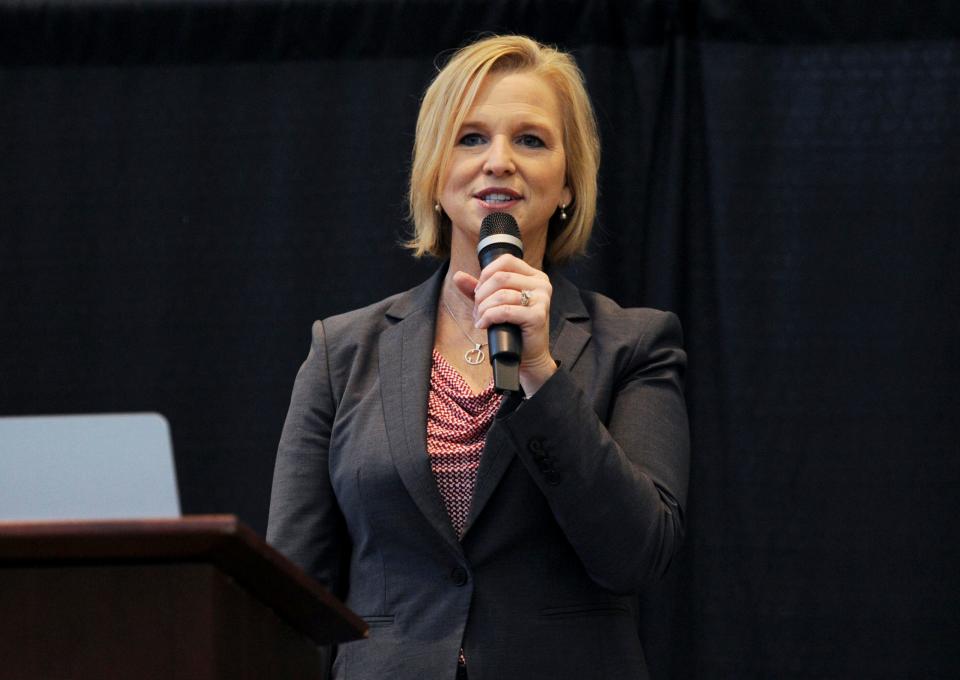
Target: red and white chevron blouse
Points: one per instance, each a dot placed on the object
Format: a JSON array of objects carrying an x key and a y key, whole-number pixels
[{"x": 457, "y": 424}]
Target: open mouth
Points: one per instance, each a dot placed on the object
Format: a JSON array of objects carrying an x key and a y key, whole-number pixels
[{"x": 498, "y": 197}]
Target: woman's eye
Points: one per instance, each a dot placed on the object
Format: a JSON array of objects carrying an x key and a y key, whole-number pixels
[
  {"x": 531, "y": 141},
  {"x": 471, "y": 139}
]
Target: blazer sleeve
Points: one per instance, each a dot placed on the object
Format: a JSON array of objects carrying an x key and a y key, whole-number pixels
[
  {"x": 305, "y": 521},
  {"x": 616, "y": 488}
]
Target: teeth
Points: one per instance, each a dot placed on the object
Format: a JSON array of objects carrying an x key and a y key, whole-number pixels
[{"x": 497, "y": 198}]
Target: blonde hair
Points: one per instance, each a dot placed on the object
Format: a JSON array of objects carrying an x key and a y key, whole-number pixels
[{"x": 443, "y": 110}]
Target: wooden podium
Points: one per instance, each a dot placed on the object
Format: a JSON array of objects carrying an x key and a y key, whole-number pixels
[{"x": 197, "y": 598}]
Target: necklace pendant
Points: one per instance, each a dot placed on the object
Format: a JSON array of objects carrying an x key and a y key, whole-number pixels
[{"x": 474, "y": 356}]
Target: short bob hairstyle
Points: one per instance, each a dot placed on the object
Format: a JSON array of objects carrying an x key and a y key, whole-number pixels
[{"x": 443, "y": 109}]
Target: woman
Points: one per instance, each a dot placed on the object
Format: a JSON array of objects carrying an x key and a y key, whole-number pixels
[{"x": 500, "y": 537}]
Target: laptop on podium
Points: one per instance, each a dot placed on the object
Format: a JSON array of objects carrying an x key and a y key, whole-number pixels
[{"x": 104, "y": 466}]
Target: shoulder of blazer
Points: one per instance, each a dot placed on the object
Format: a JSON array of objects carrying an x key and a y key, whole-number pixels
[
  {"x": 601, "y": 314},
  {"x": 354, "y": 327},
  {"x": 608, "y": 316},
  {"x": 630, "y": 336}
]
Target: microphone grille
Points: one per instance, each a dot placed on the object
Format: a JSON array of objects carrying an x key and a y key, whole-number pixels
[{"x": 499, "y": 223}]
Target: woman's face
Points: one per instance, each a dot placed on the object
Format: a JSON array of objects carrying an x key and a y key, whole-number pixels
[{"x": 508, "y": 157}]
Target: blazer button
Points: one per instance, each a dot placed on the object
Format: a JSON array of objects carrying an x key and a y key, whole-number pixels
[
  {"x": 535, "y": 446},
  {"x": 459, "y": 576}
]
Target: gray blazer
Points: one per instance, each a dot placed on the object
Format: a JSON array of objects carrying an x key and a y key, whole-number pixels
[{"x": 578, "y": 499}]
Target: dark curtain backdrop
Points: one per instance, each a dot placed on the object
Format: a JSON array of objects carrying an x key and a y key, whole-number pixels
[{"x": 185, "y": 186}]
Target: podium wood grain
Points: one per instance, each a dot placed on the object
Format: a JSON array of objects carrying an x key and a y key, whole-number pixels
[{"x": 198, "y": 597}]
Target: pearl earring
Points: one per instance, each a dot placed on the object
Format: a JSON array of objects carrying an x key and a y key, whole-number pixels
[
  {"x": 436, "y": 206},
  {"x": 563, "y": 213}
]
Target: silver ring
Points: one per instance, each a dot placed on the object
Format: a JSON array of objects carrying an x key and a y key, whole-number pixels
[{"x": 524, "y": 298}]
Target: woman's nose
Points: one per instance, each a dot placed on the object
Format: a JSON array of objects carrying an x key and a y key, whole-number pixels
[{"x": 499, "y": 159}]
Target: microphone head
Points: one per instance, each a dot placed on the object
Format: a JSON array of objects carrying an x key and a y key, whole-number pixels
[
  {"x": 499, "y": 234},
  {"x": 499, "y": 223}
]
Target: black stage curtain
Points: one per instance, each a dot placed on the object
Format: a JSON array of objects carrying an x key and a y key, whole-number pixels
[{"x": 185, "y": 186}]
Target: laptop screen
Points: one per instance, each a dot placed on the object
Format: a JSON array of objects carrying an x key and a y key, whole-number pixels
[{"x": 108, "y": 466}]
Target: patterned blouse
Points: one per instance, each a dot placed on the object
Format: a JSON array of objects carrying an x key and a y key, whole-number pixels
[{"x": 457, "y": 424}]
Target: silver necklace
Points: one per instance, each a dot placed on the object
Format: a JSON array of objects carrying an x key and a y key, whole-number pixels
[{"x": 474, "y": 356}]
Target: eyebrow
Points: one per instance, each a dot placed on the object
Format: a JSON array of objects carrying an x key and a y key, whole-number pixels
[{"x": 525, "y": 124}]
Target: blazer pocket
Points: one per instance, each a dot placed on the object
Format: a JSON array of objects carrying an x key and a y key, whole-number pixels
[
  {"x": 596, "y": 609},
  {"x": 379, "y": 620}
]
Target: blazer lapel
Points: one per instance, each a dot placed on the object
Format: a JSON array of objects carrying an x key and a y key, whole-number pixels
[
  {"x": 569, "y": 323},
  {"x": 567, "y": 340},
  {"x": 405, "y": 359}
]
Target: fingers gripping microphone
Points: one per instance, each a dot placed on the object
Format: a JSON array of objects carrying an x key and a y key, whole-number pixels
[{"x": 500, "y": 235}]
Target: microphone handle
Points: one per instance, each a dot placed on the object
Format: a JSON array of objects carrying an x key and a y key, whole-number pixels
[{"x": 504, "y": 339}]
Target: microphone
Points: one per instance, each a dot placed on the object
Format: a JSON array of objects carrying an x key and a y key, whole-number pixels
[{"x": 500, "y": 235}]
